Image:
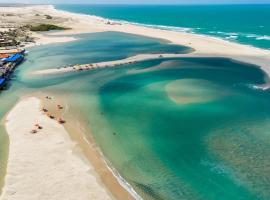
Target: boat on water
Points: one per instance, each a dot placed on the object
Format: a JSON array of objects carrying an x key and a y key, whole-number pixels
[
  {"x": 7, "y": 67},
  {"x": 16, "y": 58},
  {"x": 2, "y": 82}
]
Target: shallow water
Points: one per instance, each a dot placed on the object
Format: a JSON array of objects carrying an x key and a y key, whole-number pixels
[
  {"x": 173, "y": 128},
  {"x": 88, "y": 48},
  {"x": 172, "y": 150}
]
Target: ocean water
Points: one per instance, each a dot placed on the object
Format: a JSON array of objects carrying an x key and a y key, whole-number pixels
[
  {"x": 172, "y": 128},
  {"x": 247, "y": 24}
]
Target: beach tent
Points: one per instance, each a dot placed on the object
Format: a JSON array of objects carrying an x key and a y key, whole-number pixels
[
  {"x": 4, "y": 55},
  {"x": 13, "y": 58}
]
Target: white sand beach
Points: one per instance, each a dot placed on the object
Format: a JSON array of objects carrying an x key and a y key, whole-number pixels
[{"x": 45, "y": 165}]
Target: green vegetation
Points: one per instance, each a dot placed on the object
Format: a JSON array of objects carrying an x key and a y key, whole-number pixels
[
  {"x": 48, "y": 17},
  {"x": 46, "y": 27}
]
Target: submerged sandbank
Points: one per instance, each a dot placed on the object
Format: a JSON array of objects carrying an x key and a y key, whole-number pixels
[{"x": 45, "y": 165}]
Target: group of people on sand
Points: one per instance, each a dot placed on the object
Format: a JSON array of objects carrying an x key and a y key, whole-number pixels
[
  {"x": 80, "y": 67},
  {"x": 36, "y": 128},
  {"x": 95, "y": 66},
  {"x": 46, "y": 111}
]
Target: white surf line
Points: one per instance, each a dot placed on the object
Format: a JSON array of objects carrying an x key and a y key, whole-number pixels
[{"x": 117, "y": 63}]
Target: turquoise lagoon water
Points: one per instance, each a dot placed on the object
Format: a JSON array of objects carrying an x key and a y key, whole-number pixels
[
  {"x": 173, "y": 128},
  {"x": 89, "y": 48},
  {"x": 247, "y": 24}
]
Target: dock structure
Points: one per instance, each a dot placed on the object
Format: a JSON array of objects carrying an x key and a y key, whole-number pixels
[{"x": 8, "y": 63}]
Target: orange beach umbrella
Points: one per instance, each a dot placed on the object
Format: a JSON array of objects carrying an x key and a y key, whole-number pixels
[{"x": 4, "y": 55}]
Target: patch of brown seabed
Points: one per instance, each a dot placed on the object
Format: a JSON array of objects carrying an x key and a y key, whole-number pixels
[
  {"x": 194, "y": 91},
  {"x": 76, "y": 127},
  {"x": 244, "y": 148}
]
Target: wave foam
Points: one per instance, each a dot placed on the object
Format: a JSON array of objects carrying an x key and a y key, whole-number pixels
[
  {"x": 265, "y": 37},
  {"x": 162, "y": 27},
  {"x": 260, "y": 87},
  {"x": 116, "y": 174}
]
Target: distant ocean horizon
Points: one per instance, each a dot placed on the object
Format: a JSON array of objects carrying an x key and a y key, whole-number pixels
[{"x": 237, "y": 23}]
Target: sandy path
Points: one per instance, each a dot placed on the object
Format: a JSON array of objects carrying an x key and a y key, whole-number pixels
[{"x": 45, "y": 165}]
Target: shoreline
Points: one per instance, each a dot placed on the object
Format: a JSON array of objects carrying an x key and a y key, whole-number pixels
[
  {"x": 156, "y": 27},
  {"x": 54, "y": 169},
  {"x": 89, "y": 148}
]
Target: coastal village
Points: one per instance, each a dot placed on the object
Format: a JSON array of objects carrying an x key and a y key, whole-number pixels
[
  {"x": 16, "y": 33},
  {"x": 10, "y": 59},
  {"x": 12, "y": 53}
]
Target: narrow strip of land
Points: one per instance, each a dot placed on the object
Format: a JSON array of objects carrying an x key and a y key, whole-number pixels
[
  {"x": 116, "y": 63},
  {"x": 45, "y": 165},
  {"x": 141, "y": 58}
]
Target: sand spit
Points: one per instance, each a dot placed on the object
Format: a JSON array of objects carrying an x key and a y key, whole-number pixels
[
  {"x": 116, "y": 63},
  {"x": 45, "y": 165},
  {"x": 144, "y": 57}
]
